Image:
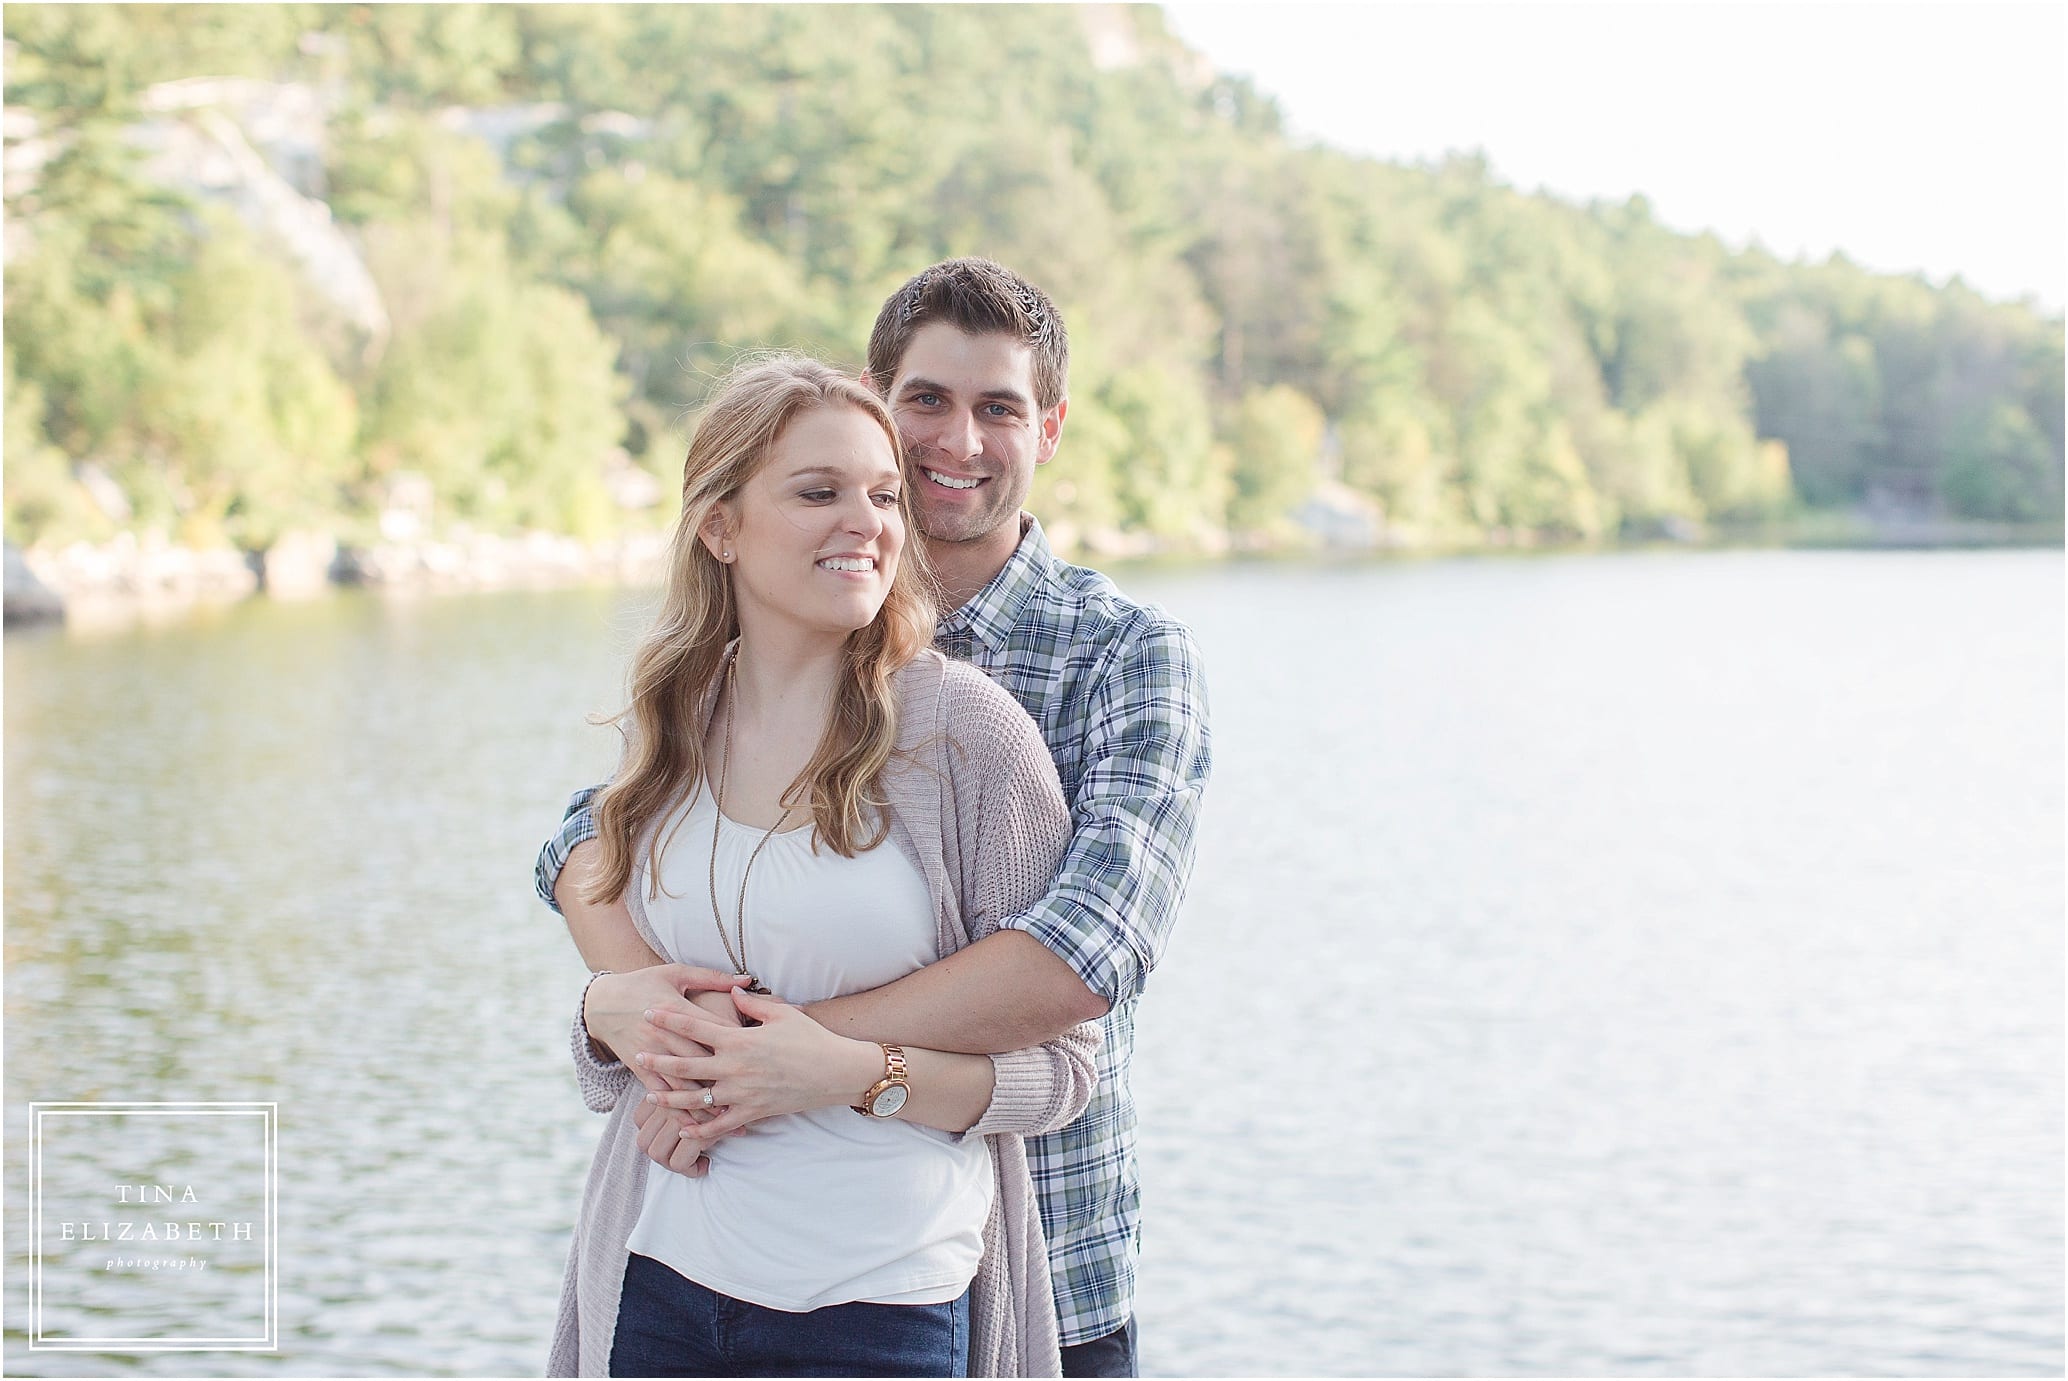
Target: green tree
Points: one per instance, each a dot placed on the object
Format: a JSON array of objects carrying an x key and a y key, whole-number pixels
[
  {"x": 1274, "y": 443},
  {"x": 505, "y": 398},
  {"x": 1998, "y": 466},
  {"x": 1822, "y": 398},
  {"x": 242, "y": 427},
  {"x": 44, "y": 502},
  {"x": 669, "y": 272},
  {"x": 666, "y": 185},
  {"x": 1171, "y": 485}
]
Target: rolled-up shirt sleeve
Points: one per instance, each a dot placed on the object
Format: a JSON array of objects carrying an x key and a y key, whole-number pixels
[
  {"x": 1134, "y": 815},
  {"x": 576, "y": 826}
]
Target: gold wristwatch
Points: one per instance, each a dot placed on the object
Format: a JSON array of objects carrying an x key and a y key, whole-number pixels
[{"x": 889, "y": 1093}]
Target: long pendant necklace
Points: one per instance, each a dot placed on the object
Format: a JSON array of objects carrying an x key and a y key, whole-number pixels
[{"x": 739, "y": 922}]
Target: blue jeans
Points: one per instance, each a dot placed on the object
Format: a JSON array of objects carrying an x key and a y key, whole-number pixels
[
  {"x": 1112, "y": 1355},
  {"x": 672, "y": 1326}
]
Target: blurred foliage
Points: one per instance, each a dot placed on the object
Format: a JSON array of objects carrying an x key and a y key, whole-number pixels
[{"x": 576, "y": 216}]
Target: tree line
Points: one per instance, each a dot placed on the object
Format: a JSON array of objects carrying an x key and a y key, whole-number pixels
[{"x": 1250, "y": 317}]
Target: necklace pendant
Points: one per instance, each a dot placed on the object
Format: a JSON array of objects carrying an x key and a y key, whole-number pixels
[{"x": 754, "y": 985}]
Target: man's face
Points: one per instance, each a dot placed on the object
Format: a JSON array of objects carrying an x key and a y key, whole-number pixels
[{"x": 973, "y": 433}]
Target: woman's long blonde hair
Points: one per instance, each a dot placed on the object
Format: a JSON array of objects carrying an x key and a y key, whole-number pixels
[{"x": 676, "y": 670}]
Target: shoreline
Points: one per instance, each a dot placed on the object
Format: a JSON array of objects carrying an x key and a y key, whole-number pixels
[
  {"x": 128, "y": 579},
  {"x": 151, "y": 580}
]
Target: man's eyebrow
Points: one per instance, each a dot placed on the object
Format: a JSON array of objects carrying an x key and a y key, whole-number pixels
[{"x": 1001, "y": 395}]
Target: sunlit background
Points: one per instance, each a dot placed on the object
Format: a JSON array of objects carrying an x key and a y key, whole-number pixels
[
  {"x": 1611, "y": 457},
  {"x": 1908, "y": 137}
]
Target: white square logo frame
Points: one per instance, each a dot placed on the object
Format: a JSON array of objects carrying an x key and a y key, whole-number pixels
[{"x": 232, "y": 1121}]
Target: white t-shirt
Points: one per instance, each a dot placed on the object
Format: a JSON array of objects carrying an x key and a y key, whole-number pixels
[{"x": 824, "y": 1207}]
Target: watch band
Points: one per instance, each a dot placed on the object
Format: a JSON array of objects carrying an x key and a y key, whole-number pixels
[{"x": 875, "y": 1103}]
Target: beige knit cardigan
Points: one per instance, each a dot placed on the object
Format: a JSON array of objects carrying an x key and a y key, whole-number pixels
[{"x": 975, "y": 806}]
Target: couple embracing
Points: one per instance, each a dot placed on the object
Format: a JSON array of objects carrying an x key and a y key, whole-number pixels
[{"x": 904, "y": 815}]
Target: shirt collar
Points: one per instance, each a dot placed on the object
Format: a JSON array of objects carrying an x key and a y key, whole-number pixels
[{"x": 994, "y": 611}]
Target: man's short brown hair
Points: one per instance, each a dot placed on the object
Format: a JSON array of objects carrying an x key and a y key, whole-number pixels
[{"x": 981, "y": 298}]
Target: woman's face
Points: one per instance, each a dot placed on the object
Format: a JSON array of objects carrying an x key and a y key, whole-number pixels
[{"x": 815, "y": 536}]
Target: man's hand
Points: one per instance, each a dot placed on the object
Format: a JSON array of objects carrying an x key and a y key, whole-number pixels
[
  {"x": 671, "y": 1137},
  {"x": 664, "y": 1135}
]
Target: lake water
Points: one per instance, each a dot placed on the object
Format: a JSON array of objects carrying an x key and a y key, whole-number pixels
[{"x": 1640, "y": 964}]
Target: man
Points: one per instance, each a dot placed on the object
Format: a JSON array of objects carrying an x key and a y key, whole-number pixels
[{"x": 974, "y": 362}]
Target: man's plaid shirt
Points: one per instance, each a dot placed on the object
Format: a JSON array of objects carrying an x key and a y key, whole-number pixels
[{"x": 1118, "y": 692}]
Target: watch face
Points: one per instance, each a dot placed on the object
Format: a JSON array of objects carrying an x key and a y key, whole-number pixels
[{"x": 889, "y": 1101}]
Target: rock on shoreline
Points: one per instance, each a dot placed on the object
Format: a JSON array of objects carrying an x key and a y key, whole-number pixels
[
  {"x": 128, "y": 573},
  {"x": 28, "y": 600}
]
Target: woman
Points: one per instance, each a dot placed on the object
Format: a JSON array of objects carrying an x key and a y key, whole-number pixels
[{"x": 813, "y": 798}]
